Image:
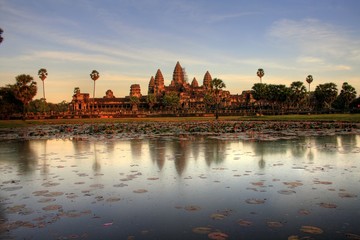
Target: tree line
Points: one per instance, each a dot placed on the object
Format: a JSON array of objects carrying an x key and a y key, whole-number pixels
[{"x": 270, "y": 98}]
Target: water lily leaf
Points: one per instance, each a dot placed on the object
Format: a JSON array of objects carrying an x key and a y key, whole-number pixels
[
  {"x": 274, "y": 224},
  {"x": 202, "y": 230},
  {"x": 244, "y": 223},
  {"x": 352, "y": 236},
  {"x": 347, "y": 195},
  {"x": 217, "y": 236},
  {"x": 217, "y": 216},
  {"x": 140, "y": 191},
  {"x": 311, "y": 229},
  {"x": 286, "y": 192},
  {"x": 255, "y": 201},
  {"x": 192, "y": 208},
  {"x": 327, "y": 205},
  {"x": 52, "y": 207}
]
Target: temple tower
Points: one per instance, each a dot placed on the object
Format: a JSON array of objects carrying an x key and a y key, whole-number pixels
[
  {"x": 159, "y": 83},
  {"x": 194, "y": 83},
  {"x": 151, "y": 88},
  {"x": 135, "y": 91},
  {"x": 207, "y": 80},
  {"x": 178, "y": 75}
]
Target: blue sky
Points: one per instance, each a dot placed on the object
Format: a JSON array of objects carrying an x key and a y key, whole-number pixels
[{"x": 128, "y": 40}]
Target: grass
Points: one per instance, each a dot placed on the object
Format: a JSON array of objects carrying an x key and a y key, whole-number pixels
[{"x": 317, "y": 117}]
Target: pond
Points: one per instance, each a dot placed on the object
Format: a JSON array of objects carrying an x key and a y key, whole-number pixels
[{"x": 185, "y": 187}]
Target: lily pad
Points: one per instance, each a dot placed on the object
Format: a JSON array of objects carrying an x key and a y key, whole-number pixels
[
  {"x": 217, "y": 236},
  {"x": 286, "y": 192},
  {"x": 52, "y": 207},
  {"x": 311, "y": 229},
  {"x": 202, "y": 230},
  {"x": 255, "y": 201},
  {"x": 327, "y": 205},
  {"x": 192, "y": 208},
  {"x": 217, "y": 216},
  {"x": 274, "y": 224},
  {"x": 244, "y": 223},
  {"x": 140, "y": 191}
]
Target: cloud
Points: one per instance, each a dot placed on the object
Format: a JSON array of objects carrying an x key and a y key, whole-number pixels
[{"x": 313, "y": 35}]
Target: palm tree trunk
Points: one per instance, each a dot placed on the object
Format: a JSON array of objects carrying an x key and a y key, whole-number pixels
[{"x": 43, "y": 89}]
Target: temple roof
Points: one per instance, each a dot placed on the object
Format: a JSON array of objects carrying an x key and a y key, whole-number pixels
[
  {"x": 178, "y": 75},
  {"x": 194, "y": 83},
  {"x": 207, "y": 79},
  {"x": 159, "y": 79}
]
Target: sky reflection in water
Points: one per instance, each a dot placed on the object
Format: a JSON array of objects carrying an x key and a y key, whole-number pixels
[{"x": 168, "y": 188}]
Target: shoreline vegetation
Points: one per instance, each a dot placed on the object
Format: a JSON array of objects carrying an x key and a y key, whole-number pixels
[{"x": 262, "y": 128}]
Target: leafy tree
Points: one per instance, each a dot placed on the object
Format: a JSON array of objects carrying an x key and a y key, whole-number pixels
[
  {"x": 297, "y": 94},
  {"x": 9, "y": 104},
  {"x": 260, "y": 73},
  {"x": 217, "y": 84},
  {"x": 134, "y": 102},
  {"x": 325, "y": 94},
  {"x": 24, "y": 89},
  {"x": 171, "y": 100},
  {"x": 276, "y": 95},
  {"x": 346, "y": 96},
  {"x": 38, "y": 106},
  {"x": 209, "y": 100},
  {"x": 259, "y": 93},
  {"x": 151, "y": 100}
]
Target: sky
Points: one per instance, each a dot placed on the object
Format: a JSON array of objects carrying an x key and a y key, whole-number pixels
[{"x": 127, "y": 41}]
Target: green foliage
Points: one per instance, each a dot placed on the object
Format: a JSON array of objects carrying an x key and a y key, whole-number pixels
[
  {"x": 325, "y": 94},
  {"x": 259, "y": 91},
  {"x": 346, "y": 96},
  {"x": 297, "y": 95},
  {"x": 9, "y": 104},
  {"x": 171, "y": 100},
  {"x": 151, "y": 100},
  {"x": 25, "y": 88},
  {"x": 209, "y": 100}
]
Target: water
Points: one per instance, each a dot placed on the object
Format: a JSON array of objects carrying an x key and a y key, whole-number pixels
[{"x": 180, "y": 188}]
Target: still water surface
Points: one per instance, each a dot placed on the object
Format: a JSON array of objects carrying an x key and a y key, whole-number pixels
[{"x": 180, "y": 188}]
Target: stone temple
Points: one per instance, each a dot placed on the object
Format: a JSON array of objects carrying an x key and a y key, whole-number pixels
[{"x": 186, "y": 98}]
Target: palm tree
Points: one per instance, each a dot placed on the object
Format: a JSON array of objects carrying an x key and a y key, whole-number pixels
[
  {"x": 94, "y": 76},
  {"x": 1, "y": 38},
  {"x": 218, "y": 84},
  {"x": 24, "y": 90},
  {"x": 309, "y": 80},
  {"x": 42, "y": 73},
  {"x": 260, "y": 73}
]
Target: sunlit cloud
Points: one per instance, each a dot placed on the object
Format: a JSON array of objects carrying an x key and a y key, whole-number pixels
[{"x": 314, "y": 36}]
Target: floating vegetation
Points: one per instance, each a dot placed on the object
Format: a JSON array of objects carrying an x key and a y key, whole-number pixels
[
  {"x": 311, "y": 229},
  {"x": 113, "y": 199},
  {"x": 274, "y": 224},
  {"x": 347, "y": 195},
  {"x": 202, "y": 230},
  {"x": 9, "y": 189},
  {"x": 323, "y": 182},
  {"x": 352, "y": 236},
  {"x": 327, "y": 205},
  {"x": 217, "y": 216},
  {"x": 245, "y": 223},
  {"x": 192, "y": 208},
  {"x": 293, "y": 184},
  {"x": 120, "y": 185},
  {"x": 54, "y": 207},
  {"x": 46, "y": 200},
  {"x": 255, "y": 201},
  {"x": 140, "y": 191},
  {"x": 286, "y": 192},
  {"x": 304, "y": 212},
  {"x": 218, "y": 236}
]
